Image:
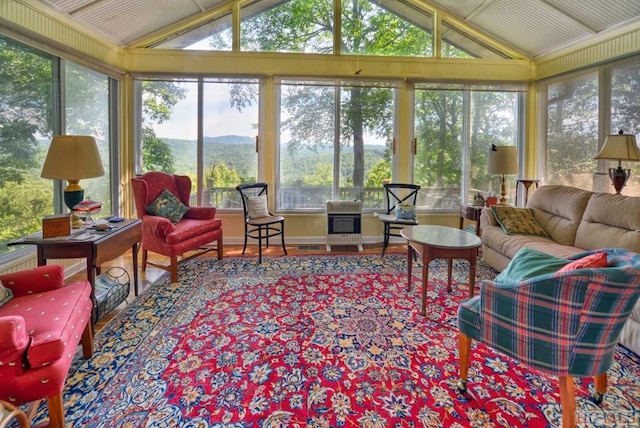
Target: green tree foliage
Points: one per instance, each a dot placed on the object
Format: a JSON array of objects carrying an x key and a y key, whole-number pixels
[
  {"x": 23, "y": 206},
  {"x": 366, "y": 29},
  {"x": 156, "y": 154},
  {"x": 223, "y": 176},
  {"x": 158, "y": 100},
  {"x": 26, "y": 88}
]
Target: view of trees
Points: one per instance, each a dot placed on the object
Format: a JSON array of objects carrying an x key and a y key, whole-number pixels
[{"x": 26, "y": 103}]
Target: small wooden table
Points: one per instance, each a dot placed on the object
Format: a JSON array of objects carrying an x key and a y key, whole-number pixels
[
  {"x": 433, "y": 242},
  {"x": 471, "y": 212},
  {"x": 96, "y": 247}
]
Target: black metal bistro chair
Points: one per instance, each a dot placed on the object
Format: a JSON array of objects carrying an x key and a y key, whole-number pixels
[
  {"x": 259, "y": 222},
  {"x": 397, "y": 196}
]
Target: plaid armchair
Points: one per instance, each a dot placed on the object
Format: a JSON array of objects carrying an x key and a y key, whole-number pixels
[{"x": 564, "y": 324}]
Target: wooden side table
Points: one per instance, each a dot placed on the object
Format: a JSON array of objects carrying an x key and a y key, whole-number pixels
[
  {"x": 471, "y": 212},
  {"x": 96, "y": 247}
]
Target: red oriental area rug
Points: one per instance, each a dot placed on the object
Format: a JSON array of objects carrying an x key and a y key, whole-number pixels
[{"x": 321, "y": 341}]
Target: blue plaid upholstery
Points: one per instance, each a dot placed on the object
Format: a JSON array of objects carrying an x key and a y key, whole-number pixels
[{"x": 564, "y": 324}]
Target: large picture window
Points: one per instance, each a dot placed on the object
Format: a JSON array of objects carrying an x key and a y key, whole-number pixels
[
  {"x": 26, "y": 127},
  {"x": 455, "y": 127},
  {"x": 335, "y": 140},
  {"x": 213, "y": 143}
]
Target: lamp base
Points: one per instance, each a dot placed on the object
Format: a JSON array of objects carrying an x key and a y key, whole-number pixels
[
  {"x": 619, "y": 178},
  {"x": 503, "y": 199},
  {"x": 73, "y": 197}
]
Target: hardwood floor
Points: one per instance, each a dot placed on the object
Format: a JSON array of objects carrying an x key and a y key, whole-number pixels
[{"x": 152, "y": 274}]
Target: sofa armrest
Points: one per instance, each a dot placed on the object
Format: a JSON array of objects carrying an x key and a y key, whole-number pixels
[
  {"x": 487, "y": 218},
  {"x": 33, "y": 281},
  {"x": 13, "y": 339},
  {"x": 201, "y": 213}
]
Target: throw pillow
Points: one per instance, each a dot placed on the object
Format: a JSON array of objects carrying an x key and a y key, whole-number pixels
[
  {"x": 529, "y": 263},
  {"x": 596, "y": 260},
  {"x": 167, "y": 205},
  {"x": 257, "y": 206},
  {"x": 5, "y": 294},
  {"x": 517, "y": 220}
]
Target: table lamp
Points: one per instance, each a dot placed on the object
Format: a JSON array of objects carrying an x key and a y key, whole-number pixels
[
  {"x": 72, "y": 158},
  {"x": 620, "y": 147},
  {"x": 503, "y": 160}
]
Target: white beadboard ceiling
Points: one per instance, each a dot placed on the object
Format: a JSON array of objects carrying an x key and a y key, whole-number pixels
[{"x": 533, "y": 27}]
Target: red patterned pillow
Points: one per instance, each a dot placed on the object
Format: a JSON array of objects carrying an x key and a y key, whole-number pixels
[{"x": 596, "y": 260}]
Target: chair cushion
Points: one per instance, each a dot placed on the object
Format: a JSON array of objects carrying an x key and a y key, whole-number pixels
[
  {"x": 597, "y": 260},
  {"x": 5, "y": 294},
  {"x": 52, "y": 319},
  {"x": 167, "y": 205},
  {"x": 529, "y": 263},
  {"x": 515, "y": 220},
  {"x": 188, "y": 228},
  {"x": 469, "y": 317},
  {"x": 257, "y": 206}
]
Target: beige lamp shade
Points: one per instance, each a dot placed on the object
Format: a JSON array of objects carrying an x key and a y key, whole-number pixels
[
  {"x": 503, "y": 160},
  {"x": 72, "y": 158},
  {"x": 620, "y": 147}
]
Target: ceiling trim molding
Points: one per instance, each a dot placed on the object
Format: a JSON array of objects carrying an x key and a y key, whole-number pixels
[{"x": 284, "y": 64}]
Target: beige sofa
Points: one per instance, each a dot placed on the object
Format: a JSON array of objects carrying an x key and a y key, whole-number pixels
[{"x": 576, "y": 220}]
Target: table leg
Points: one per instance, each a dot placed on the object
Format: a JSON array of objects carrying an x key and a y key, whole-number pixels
[
  {"x": 134, "y": 251},
  {"x": 472, "y": 272},
  {"x": 425, "y": 282},
  {"x": 409, "y": 266},
  {"x": 449, "y": 269}
]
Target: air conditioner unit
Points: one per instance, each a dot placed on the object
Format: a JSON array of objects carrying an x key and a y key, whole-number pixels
[{"x": 344, "y": 223}]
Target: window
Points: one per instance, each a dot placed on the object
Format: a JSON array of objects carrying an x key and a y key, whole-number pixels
[
  {"x": 625, "y": 115},
  {"x": 303, "y": 26},
  {"x": 369, "y": 29},
  {"x": 455, "y": 127},
  {"x": 26, "y": 128},
  {"x": 87, "y": 113},
  {"x": 335, "y": 140},
  {"x": 572, "y": 131},
  {"x": 218, "y": 149}
]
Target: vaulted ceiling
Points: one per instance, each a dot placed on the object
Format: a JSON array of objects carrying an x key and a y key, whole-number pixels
[{"x": 532, "y": 27}]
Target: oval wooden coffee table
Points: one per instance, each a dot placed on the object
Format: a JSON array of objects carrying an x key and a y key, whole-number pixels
[{"x": 440, "y": 242}]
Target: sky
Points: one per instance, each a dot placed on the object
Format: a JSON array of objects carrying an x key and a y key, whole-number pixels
[{"x": 219, "y": 117}]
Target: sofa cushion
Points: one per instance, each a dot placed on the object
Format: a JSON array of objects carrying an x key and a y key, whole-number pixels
[
  {"x": 559, "y": 209},
  {"x": 517, "y": 220},
  {"x": 610, "y": 221},
  {"x": 597, "y": 260},
  {"x": 528, "y": 263},
  {"x": 52, "y": 319}
]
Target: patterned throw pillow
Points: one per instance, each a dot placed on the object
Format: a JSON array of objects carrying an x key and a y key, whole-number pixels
[
  {"x": 5, "y": 294},
  {"x": 257, "y": 206},
  {"x": 168, "y": 206},
  {"x": 517, "y": 220}
]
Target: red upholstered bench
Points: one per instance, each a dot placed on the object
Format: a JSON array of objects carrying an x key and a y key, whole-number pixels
[{"x": 40, "y": 328}]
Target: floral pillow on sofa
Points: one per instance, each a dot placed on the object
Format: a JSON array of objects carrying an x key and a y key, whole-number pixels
[{"x": 515, "y": 220}]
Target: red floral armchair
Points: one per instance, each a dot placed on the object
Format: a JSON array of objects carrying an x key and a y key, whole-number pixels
[
  {"x": 40, "y": 328},
  {"x": 195, "y": 226}
]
